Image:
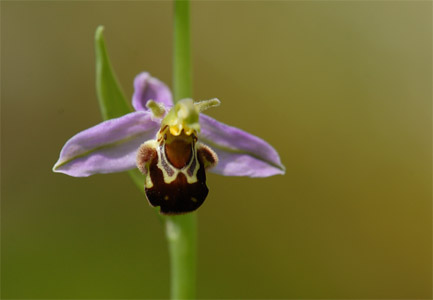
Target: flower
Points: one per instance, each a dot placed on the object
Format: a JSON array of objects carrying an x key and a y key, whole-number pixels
[{"x": 172, "y": 149}]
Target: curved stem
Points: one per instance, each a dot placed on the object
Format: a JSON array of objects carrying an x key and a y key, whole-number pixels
[{"x": 181, "y": 230}]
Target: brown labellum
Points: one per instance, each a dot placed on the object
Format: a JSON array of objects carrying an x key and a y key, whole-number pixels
[
  {"x": 175, "y": 169},
  {"x": 178, "y": 196}
]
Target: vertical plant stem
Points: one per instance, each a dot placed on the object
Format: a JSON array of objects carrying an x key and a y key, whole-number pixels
[
  {"x": 182, "y": 78},
  {"x": 181, "y": 230},
  {"x": 181, "y": 234}
]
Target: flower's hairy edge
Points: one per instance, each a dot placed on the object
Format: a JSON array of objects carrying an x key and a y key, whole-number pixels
[{"x": 106, "y": 146}]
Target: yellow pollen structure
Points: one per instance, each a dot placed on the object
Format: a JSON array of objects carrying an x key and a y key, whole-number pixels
[
  {"x": 176, "y": 130},
  {"x": 184, "y": 116}
]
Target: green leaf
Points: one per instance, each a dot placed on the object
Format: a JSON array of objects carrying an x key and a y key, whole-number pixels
[{"x": 112, "y": 101}]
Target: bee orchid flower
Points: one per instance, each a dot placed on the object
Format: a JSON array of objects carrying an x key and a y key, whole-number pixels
[{"x": 171, "y": 144}]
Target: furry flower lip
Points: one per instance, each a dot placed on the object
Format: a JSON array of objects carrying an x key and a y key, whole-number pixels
[
  {"x": 175, "y": 162},
  {"x": 173, "y": 149}
]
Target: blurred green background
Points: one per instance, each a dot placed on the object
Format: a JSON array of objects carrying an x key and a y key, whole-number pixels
[{"x": 341, "y": 89}]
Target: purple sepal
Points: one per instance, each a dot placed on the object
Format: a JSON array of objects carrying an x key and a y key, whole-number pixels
[
  {"x": 148, "y": 88},
  {"x": 108, "y": 147},
  {"x": 239, "y": 153}
]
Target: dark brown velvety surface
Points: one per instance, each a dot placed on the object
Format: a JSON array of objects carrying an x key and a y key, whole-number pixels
[{"x": 179, "y": 196}]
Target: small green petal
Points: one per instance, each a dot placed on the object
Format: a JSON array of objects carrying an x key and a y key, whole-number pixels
[
  {"x": 157, "y": 109},
  {"x": 205, "y": 104}
]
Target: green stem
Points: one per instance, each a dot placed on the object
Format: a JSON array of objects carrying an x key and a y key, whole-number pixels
[
  {"x": 181, "y": 234},
  {"x": 182, "y": 79},
  {"x": 181, "y": 230}
]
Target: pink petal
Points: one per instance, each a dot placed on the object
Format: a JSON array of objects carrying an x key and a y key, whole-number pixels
[
  {"x": 148, "y": 88},
  {"x": 240, "y": 153},
  {"x": 108, "y": 147}
]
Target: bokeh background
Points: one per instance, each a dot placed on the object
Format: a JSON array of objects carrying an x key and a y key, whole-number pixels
[{"x": 342, "y": 90}]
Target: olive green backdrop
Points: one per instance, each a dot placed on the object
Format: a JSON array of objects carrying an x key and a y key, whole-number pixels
[{"x": 341, "y": 89}]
